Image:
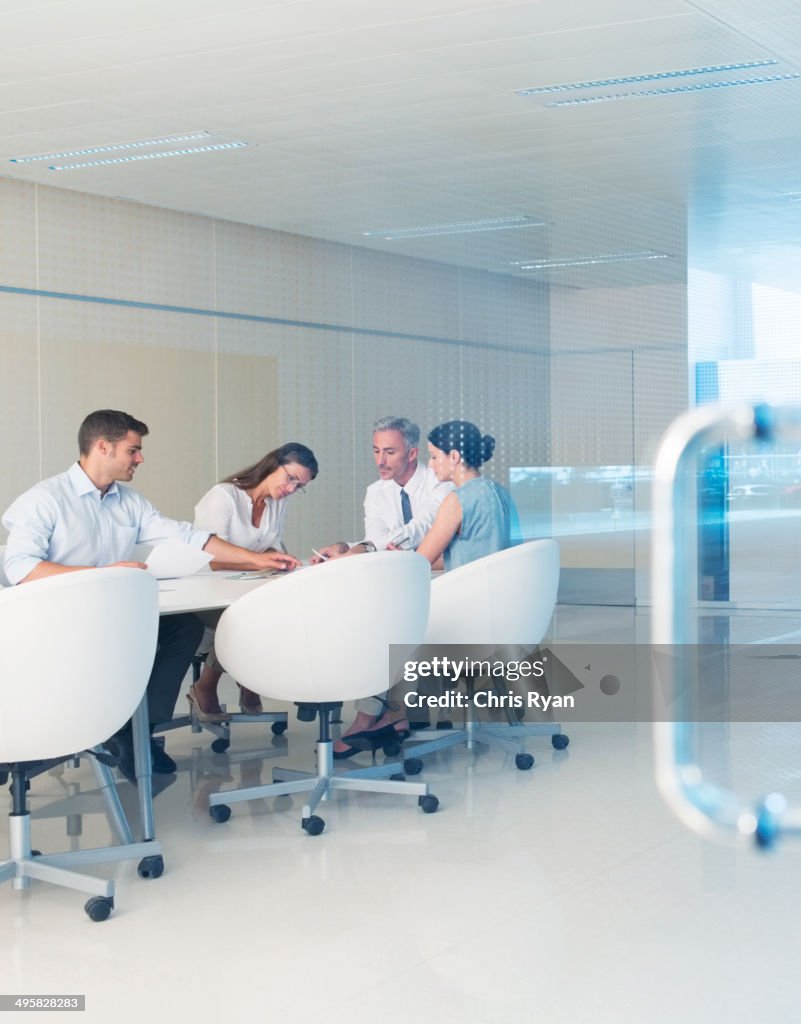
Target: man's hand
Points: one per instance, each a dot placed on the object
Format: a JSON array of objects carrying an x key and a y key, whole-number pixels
[
  {"x": 332, "y": 551},
  {"x": 130, "y": 565}
]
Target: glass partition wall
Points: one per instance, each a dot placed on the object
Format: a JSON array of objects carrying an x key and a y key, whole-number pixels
[{"x": 744, "y": 347}]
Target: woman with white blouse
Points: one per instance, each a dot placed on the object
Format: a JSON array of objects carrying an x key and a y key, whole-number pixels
[{"x": 248, "y": 509}]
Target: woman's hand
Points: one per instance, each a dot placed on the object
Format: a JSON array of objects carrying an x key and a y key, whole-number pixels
[{"x": 275, "y": 560}]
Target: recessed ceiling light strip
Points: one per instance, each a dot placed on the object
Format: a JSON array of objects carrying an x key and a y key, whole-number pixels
[
  {"x": 457, "y": 228},
  {"x": 166, "y": 141},
  {"x": 585, "y": 261},
  {"x": 670, "y": 91},
  {"x": 147, "y": 156},
  {"x": 604, "y": 83}
]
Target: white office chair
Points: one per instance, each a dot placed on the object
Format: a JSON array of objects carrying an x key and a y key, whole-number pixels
[
  {"x": 504, "y": 600},
  {"x": 104, "y": 625},
  {"x": 320, "y": 637}
]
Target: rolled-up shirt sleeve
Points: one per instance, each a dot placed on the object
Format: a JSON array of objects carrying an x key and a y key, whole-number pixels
[
  {"x": 154, "y": 527},
  {"x": 30, "y": 523}
]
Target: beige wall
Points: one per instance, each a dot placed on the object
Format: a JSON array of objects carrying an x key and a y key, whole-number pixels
[
  {"x": 218, "y": 391},
  {"x": 312, "y": 341}
]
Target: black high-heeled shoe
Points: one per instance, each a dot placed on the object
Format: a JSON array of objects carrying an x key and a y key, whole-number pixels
[
  {"x": 371, "y": 737},
  {"x": 341, "y": 755},
  {"x": 368, "y": 740}
]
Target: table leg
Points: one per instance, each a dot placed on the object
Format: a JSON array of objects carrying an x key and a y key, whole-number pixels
[{"x": 144, "y": 770}]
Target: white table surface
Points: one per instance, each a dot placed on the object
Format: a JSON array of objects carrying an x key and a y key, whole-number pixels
[{"x": 205, "y": 591}]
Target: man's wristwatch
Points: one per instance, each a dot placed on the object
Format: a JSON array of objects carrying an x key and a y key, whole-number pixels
[{"x": 367, "y": 545}]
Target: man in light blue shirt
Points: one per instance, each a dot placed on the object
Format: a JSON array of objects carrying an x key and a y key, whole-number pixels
[{"x": 84, "y": 519}]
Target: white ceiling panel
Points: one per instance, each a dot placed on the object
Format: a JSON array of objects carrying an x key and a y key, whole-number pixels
[
  {"x": 368, "y": 114},
  {"x": 53, "y": 116}
]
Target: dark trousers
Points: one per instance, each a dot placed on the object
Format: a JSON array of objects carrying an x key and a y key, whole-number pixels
[{"x": 179, "y": 638}]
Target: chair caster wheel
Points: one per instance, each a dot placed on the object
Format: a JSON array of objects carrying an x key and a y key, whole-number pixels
[
  {"x": 392, "y": 748},
  {"x": 429, "y": 803},
  {"x": 398, "y": 777},
  {"x": 151, "y": 867},
  {"x": 36, "y": 853},
  {"x": 560, "y": 741},
  {"x": 278, "y": 728},
  {"x": 523, "y": 762},
  {"x": 99, "y": 908},
  {"x": 220, "y": 813},
  {"x": 412, "y": 765},
  {"x": 313, "y": 825},
  {"x": 219, "y": 746}
]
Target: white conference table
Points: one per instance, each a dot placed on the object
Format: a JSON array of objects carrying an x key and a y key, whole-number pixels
[{"x": 205, "y": 591}]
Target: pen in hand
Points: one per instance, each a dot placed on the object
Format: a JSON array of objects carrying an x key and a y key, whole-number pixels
[{"x": 320, "y": 555}]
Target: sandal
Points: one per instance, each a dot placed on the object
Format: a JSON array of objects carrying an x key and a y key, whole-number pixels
[
  {"x": 249, "y": 702},
  {"x": 200, "y": 714}
]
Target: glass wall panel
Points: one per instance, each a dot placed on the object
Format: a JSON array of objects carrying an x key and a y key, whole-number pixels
[{"x": 743, "y": 343}]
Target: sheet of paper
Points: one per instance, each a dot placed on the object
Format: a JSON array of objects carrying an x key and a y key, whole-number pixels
[
  {"x": 252, "y": 574},
  {"x": 259, "y": 574},
  {"x": 171, "y": 559}
]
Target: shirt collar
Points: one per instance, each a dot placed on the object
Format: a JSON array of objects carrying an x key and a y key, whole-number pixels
[
  {"x": 418, "y": 469},
  {"x": 83, "y": 485}
]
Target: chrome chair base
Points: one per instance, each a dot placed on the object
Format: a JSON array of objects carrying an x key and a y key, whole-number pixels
[
  {"x": 510, "y": 737},
  {"x": 322, "y": 784},
  {"x": 24, "y": 864}
]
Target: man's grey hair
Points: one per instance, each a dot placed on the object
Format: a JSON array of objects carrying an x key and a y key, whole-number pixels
[{"x": 409, "y": 430}]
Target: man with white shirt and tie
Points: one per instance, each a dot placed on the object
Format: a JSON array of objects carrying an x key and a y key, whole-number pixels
[{"x": 399, "y": 509}]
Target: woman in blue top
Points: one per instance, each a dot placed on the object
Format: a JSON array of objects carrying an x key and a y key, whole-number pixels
[
  {"x": 477, "y": 518},
  {"x": 474, "y": 520}
]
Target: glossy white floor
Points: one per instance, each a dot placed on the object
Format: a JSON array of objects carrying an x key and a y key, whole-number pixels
[{"x": 566, "y": 893}]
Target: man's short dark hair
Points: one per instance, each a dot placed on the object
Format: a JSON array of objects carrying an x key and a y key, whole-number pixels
[{"x": 110, "y": 424}]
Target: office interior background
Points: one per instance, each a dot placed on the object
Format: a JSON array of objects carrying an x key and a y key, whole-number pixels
[{"x": 567, "y": 223}]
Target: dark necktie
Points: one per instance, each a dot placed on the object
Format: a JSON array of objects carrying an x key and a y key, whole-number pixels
[{"x": 406, "y": 507}]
